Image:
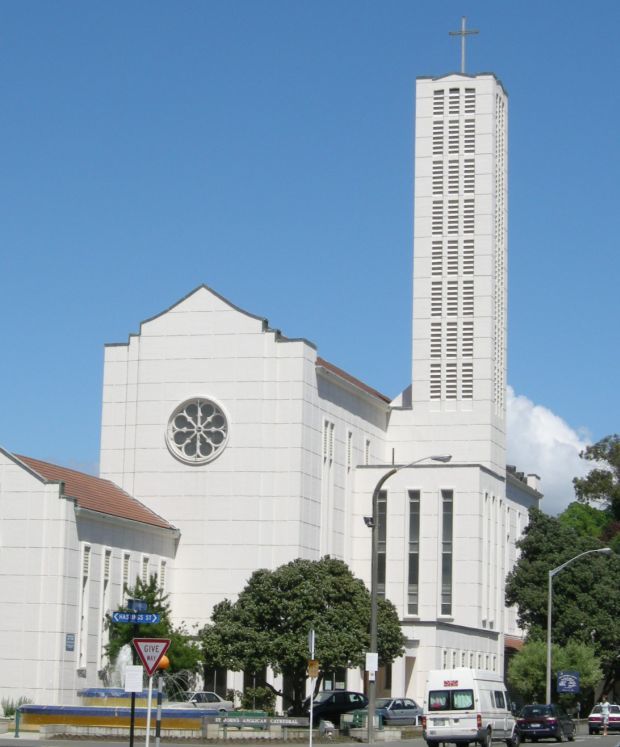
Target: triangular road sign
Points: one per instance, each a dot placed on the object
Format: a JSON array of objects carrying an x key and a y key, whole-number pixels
[{"x": 150, "y": 651}]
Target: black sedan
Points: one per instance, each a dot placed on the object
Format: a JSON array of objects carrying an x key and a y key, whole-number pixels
[
  {"x": 329, "y": 705},
  {"x": 545, "y": 721}
]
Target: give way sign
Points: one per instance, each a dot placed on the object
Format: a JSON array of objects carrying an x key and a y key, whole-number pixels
[{"x": 151, "y": 651}]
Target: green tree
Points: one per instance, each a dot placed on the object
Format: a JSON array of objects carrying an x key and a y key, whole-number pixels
[
  {"x": 269, "y": 623},
  {"x": 586, "y": 520},
  {"x": 184, "y": 652},
  {"x": 602, "y": 483},
  {"x": 527, "y": 671},
  {"x": 586, "y": 595}
]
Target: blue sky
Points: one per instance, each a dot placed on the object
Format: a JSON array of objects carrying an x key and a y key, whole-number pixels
[{"x": 266, "y": 149}]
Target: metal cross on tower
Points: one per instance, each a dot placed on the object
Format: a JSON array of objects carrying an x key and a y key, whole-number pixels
[{"x": 463, "y": 33}]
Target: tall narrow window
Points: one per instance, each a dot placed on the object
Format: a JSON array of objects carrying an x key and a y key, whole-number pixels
[
  {"x": 145, "y": 569},
  {"x": 381, "y": 536},
  {"x": 162, "y": 574},
  {"x": 104, "y": 633},
  {"x": 86, "y": 562},
  {"x": 367, "y": 452},
  {"x": 414, "y": 552},
  {"x": 107, "y": 560},
  {"x": 84, "y": 602},
  {"x": 446, "y": 552},
  {"x": 125, "y": 576},
  {"x": 325, "y": 440},
  {"x": 349, "y": 450}
]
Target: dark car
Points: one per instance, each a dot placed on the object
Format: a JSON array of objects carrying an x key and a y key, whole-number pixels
[
  {"x": 545, "y": 721},
  {"x": 595, "y": 719},
  {"x": 329, "y": 705}
]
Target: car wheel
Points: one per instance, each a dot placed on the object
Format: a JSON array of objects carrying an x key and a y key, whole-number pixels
[
  {"x": 515, "y": 741},
  {"x": 559, "y": 737},
  {"x": 432, "y": 744},
  {"x": 487, "y": 739}
]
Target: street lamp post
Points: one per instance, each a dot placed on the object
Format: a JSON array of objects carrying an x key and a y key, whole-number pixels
[
  {"x": 552, "y": 573},
  {"x": 372, "y": 522}
]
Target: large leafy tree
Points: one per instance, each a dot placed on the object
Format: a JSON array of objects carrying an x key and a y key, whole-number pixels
[
  {"x": 269, "y": 623},
  {"x": 527, "y": 671},
  {"x": 602, "y": 484},
  {"x": 586, "y": 594},
  {"x": 184, "y": 653},
  {"x": 585, "y": 520}
]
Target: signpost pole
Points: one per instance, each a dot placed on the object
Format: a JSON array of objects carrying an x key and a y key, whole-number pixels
[
  {"x": 148, "y": 711},
  {"x": 132, "y": 717},
  {"x": 311, "y": 651},
  {"x": 151, "y": 651},
  {"x": 160, "y": 684}
]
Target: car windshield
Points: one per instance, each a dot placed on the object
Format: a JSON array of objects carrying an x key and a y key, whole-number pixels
[
  {"x": 532, "y": 711},
  {"x": 322, "y": 696},
  {"x": 383, "y": 702}
]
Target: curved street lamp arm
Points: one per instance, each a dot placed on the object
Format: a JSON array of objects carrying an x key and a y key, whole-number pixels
[
  {"x": 602, "y": 550},
  {"x": 552, "y": 573}
]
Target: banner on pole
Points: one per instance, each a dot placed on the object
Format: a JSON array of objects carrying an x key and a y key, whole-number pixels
[
  {"x": 133, "y": 679},
  {"x": 568, "y": 682},
  {"x": 372, "y": 662}
]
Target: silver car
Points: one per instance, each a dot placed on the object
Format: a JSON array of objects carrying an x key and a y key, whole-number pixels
[
  {"x": 398, "y": 711},
  {"x": 205, "y": 700}
]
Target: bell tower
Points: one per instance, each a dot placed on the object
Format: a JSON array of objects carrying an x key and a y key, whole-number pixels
[{"x": 460, "y": 255}]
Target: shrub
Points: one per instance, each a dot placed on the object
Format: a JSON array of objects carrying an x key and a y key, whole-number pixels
[
  {"x": 258, "y": 698},
  {"x": 9, "y": 706}
]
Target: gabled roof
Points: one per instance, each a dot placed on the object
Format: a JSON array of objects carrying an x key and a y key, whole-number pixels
[
  {"x": 351, "y": 379},
  {"x": 279, "y": 337},
  {"x": 95, "y": 494}
]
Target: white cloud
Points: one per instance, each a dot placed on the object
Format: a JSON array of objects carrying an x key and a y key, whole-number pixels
[{"x": 541, "y": 442}]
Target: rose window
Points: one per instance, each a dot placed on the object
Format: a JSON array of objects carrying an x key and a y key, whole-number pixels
[{"x": 197, "y": 431}]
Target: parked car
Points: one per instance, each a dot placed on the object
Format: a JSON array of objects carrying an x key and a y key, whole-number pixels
[
  {"x": 539, "y": 721},
  {"x": 204, "y": 700},
  {"x": 395, "y": 711},
  {"x": 329, "y": 705},
  {"x": 595, "y": 719}
]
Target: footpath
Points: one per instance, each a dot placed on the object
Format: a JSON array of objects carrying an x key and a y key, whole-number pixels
[{"x": 33, "y": 739}]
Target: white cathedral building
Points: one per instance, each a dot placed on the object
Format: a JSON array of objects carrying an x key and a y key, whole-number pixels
[{"x": 228, "y": 447}]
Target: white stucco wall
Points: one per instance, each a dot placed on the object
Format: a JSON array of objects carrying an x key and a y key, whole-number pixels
[
  {"x": 44, "y": 592},
  {"x": 270, "y": 496},
  {"x": 485, "y": 526}
]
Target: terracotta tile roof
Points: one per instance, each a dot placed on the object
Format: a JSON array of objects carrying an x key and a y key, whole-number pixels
[
  {"x": 512, "y": 642},
  {"x": 96, "y": 494},
  {"x": 347, "y": 377}
]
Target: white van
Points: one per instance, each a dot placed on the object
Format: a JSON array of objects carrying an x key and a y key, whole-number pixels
[{"x": 467, "y": 705}]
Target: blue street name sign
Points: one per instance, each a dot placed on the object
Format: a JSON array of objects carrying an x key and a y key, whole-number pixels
[
  {"x": 143, "y": 618},
  {"x": 136, "y": 605}
]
